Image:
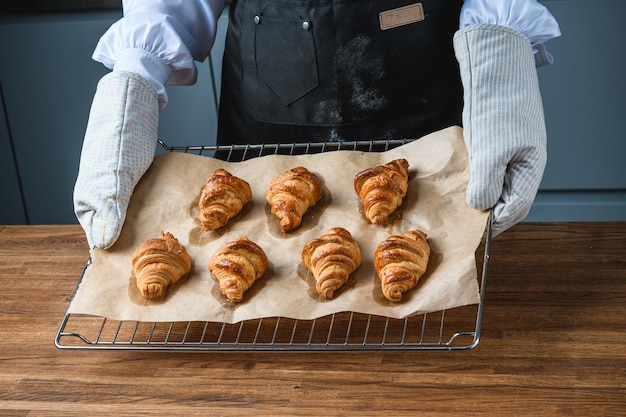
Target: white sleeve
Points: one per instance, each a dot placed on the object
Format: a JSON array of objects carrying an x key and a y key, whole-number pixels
[
  {"x": 160, "y": 40},
  {"x": 528, "y": 17}
]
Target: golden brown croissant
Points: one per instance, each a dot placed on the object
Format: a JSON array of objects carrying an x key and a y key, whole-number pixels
[
  {"x": 159, "y": 263},
  {"x": 237, "y": 265},
  {"x": 223, "y": 196},
  {"x": 382, "y": 188},
  {"x": 331, "y": 258},
  {"x": 400, "y": 261},
  {"x": 291, "y": 194}
]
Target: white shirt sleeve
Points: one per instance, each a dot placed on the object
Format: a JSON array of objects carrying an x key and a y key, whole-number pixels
[
  {"x": 160, "y": 40},
  {"x": 528, "y": 17}
]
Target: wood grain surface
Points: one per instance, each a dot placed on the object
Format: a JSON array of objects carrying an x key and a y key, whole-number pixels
[{"x": 552, "y": 344}]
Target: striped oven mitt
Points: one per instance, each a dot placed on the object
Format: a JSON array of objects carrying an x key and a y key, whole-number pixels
[{"x": 503, "y": 121}]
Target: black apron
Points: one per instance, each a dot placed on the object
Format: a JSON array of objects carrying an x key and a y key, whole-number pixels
[{"x": 334, "y": 70}]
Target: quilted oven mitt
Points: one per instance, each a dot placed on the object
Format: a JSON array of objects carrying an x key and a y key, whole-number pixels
[{"x": 118, "y": 148}]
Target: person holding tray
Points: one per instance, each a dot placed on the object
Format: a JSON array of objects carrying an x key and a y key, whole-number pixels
[{"x": 327, "y": 70}]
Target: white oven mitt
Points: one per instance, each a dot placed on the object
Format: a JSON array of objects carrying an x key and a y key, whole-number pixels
[
  {"x": 503, "y": 121},
  {"x": 118, "y": 148}
]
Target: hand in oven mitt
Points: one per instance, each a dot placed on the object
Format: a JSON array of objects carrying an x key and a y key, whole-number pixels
[
  {"x": 503, "y": 121},
  {"x": 118, "y": 148}
]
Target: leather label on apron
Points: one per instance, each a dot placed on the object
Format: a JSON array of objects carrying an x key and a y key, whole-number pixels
[{"x": 401, "y": 16}]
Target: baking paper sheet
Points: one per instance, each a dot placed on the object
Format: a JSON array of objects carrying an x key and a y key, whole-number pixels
[{"x": 166, "y": 199}]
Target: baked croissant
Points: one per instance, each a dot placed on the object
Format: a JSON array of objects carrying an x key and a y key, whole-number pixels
[
  {"x": 382, "y": 188},
  {"x": 400, "y": 261},
  {"x": 223, "y": 196},
  {"x": 237, "y": 265},
  {"x": 158, "y": 263},
  {"x": 291, "y": 194},
  {"x": 331, "y": 258}
]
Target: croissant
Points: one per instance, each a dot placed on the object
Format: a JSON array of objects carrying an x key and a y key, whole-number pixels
[
  {"x": 382, "y": 188},
  {"x": 223, "y": 196},
  {"x": 291, "y": 194},
  {"x": 158, "y": 263},
  {"x": 400, "y": 261},
  {"x": 331, "y": 258},
  {"x": 237, "y": 265}
]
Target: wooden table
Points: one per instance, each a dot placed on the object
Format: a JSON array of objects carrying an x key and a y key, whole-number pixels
[{"x": 553, "y": 343}]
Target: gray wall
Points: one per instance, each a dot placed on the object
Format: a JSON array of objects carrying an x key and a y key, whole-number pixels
[
  {"x": 583, "y": 94},
  {"x": 47, "y": 81}
]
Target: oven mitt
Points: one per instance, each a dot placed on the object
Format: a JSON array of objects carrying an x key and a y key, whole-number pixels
[
  {"x": 118, "y": 148},
  {"x": 503, "y": 122}
]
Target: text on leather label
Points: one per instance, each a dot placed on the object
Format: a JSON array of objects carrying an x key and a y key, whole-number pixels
[{"x": 401, "y": 16}]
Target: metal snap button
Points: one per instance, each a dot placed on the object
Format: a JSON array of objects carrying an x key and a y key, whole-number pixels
[
  {"x": 257, "y": 19},
  {"x": 306, "y": 25}
]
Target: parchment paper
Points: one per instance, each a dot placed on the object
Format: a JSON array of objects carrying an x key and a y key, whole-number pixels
[{"x": 166, "y": 199}]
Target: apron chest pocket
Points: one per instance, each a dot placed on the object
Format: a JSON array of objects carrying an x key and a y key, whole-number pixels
[
  {"x": 285, "y": 57},
  {"x": 279, "y": 66}
]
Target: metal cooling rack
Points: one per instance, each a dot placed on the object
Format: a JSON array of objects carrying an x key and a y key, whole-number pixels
[{"x": 453, "y": 329}]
